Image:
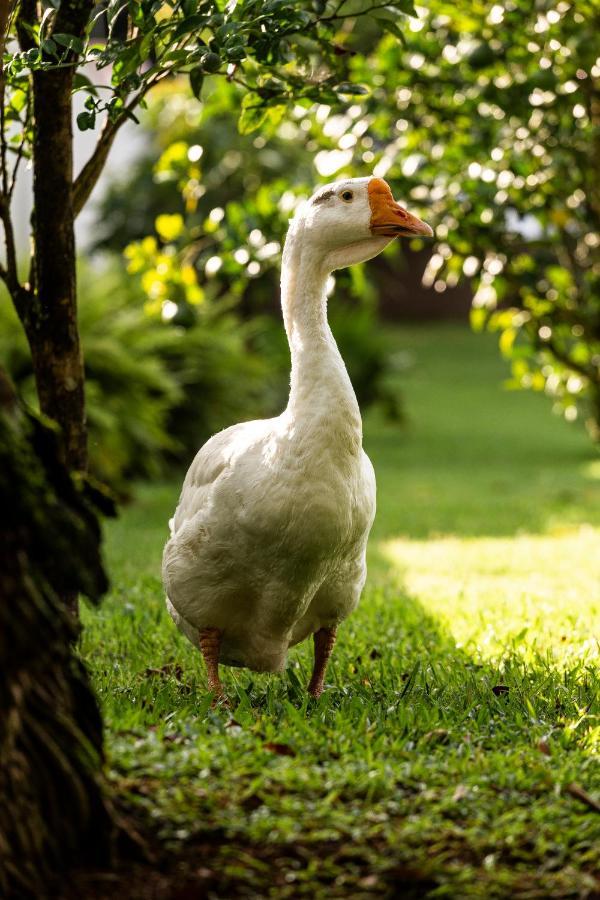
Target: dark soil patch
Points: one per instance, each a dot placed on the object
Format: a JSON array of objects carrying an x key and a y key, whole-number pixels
[{"x": 221, "y": 868}]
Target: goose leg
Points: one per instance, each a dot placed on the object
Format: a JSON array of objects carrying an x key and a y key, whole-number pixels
[
  {"x": 210, "y": 643},
  {"x": 324, "y": 640}
]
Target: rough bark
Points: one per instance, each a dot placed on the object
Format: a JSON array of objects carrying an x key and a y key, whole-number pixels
[
  {"x": 52, "y": 809},
  {"x": 51, "y": 321},
  {"x": 50, "y": 316}
]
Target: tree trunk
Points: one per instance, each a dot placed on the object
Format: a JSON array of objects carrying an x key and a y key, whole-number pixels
[
  {"x": 53, "y": 813},
  {"x": 51, "y": 320}
]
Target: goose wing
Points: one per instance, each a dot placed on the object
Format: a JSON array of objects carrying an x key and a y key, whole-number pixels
[{"x": 214, "y": 461}]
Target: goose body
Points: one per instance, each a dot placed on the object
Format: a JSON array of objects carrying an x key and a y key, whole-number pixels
[{"x": 268, "y": 541}]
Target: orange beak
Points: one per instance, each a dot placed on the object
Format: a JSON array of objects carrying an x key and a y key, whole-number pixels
[{"x": 388, "y": 218}]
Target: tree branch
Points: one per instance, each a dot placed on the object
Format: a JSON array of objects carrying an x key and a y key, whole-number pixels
[
  {"x": 9, "y": 274},
  {"x": 335, "y": 16},
  {"x": 20, "y": 152},
  {"x": 565, "y": 359},
  {"x": 87, "y": 179}
]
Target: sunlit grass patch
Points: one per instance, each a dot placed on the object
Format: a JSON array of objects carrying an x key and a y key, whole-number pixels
[{"x": 536, "y": 594}]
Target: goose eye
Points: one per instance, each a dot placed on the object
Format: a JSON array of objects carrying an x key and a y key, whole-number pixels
[{"x": 347, "y": 196}]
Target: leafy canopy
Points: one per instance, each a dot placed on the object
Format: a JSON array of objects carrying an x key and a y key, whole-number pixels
[
  {"x": 278, "y": 51},
  {"x": 490, "y": 114}
]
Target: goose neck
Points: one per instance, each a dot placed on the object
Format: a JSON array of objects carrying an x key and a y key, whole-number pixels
[{"x": 320, "y": 386}]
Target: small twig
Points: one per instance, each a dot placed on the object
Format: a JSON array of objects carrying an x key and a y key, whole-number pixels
[
  {"x": 354, "y": 15},
  {"x": 193, "y": 250},
  {"x": 241, "y": 82},
  {"x": 565, "y": 359},
  {"x": 20, "y": 152},
  {"x": 339, "y": 6},
  {"x": 575, "y": 790}
]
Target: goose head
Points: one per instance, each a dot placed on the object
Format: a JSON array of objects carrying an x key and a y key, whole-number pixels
[{"x": 351, "y": 221}]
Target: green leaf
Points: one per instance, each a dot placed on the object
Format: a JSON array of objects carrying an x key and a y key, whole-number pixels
[
  {"x": 126, "y": 64},
  {"x": 48, "y": 46},
  {"x": 276, "y": 114},
  {"x": 70, "y": 41},
  {"x": 254, "y": 113},
  {"x": 196, "y": 81},
  {"x": 236, "y": 53},
  {"x": 404, "y": 7},
  {"x": 47, "y": 13},
  {"x": 559, "y": 277},
  {"x": 391, "y": 27},
  {"x": 113, "y": 10},
  {"x": 82, "y": 83},
  {"x": 507, "y": 339},
  {"x": 18, "y": 100},
  {"x": 347, "y": 88},
  {"x": 478, "y": 318},
  {"x": 86, "y": 120}
]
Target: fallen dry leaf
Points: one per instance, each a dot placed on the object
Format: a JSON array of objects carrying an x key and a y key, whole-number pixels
[
  {"x": 369, "y": 881},
  {"x": 460, "y": 793},
  {"x": 279, "y": 749},
  {"x": 165, "y": 671}
]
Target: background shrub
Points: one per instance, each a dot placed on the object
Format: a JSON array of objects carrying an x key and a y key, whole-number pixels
[{"x": 157, "y": 390}]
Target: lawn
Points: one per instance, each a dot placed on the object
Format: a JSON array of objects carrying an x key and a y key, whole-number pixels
[{"x": 454, "y": 752}]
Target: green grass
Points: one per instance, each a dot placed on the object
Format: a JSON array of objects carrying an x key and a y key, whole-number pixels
[{"x": 462, "y": 702}]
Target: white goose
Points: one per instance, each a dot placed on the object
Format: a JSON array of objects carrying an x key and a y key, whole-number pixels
[{"x": 269, "y": 537}]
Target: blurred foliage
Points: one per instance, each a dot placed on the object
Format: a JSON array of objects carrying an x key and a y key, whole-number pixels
[
  {"x": 156, "y": 390},
  {"x": 494, "y": 123},
  {"x": 488, "y": 115},
  {"x": 279, "y": 52}
]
